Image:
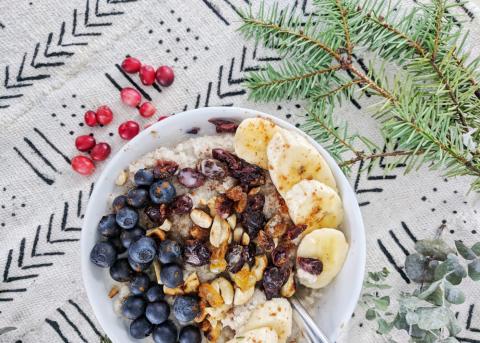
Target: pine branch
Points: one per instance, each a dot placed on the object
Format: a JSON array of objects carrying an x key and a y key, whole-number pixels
[
  {"x": 366, "y": 157},
  {"x": 344, "y": 15},
  {"x": 339, "y": 89}
]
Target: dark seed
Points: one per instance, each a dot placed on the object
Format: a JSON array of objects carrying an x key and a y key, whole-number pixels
[
  {"x": 310, "y": 265},
  {"x": 190, "y": 178}
]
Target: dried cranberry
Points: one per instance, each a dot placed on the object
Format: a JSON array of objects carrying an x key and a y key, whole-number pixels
[
  {"x": 190, "y": 178},
  {"x": 196, "y": 253},
  {"x": 182, "y": 204},
  {"x": 294, "y": 231},
  {"x": 213, "y": 169},
  {"x": 310, "y": 265},
  {"x": 265, "y": 242},
  {"x": 223, "y": 206},
  {"x": 273, "y": 279},
  {"x": 222, "y": 126},
  {"x": 253, "y": 222},
  {"x": 276, "y": 226},
  {"x": 248, "y": 174},
  {"x": 232, "y": 161},
  {"x": 249, "y": 252},
  {"x": 255, "y": 202},
  {"x": 164, "y": 169},
  {"x": 235, "y": 258},
  {"x": 281, "y": 254},
  {"x": 157, "y": 214},
  {"x": 235, "y": 193}
]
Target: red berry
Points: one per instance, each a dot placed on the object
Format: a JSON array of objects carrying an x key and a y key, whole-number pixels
[
  {"x": 83, "y": 165},
  {"x": 100, "y": 151},
  {"x": 165, "y": 76},
  {"x": 130, "y": 97},
  {"x": 147, "y": 75},
  {"x": 128, "y": 129},
  {"x": 131, "y": 65},
  {"x": 162, "y": 117},
  {"x": 90, "y": 118},
  {"x": 147, "y": 110},
  {"x": 104, "y": 115},
  {"x": 84, "y": 143}
]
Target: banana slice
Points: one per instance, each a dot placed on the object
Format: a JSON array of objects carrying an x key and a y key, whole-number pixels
[
  {"x": 251, "y": 140},
  {"x": 327, "y": 245},
  {"x": 260, "y": 335},
  {"x": 275, "y": 314},
  {"x": 291, "y": 158},
  {"x": 315, "y": 204}
]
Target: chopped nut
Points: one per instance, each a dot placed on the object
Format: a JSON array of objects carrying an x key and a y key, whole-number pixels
[
  {"x": 245, "y": 239},
  {"x": 243, "y": 296},
  {"x": 156, "y": 269},
  {"x": 218, "y": 264},
  {"x": 200, "y": 218},
  {"x": 202, "y": 202},
  {"x": 173, "y": 291},
  {"x": 232, "y": 221},
  {"x": 265, "y": 242},
  {"x": 212, "y": 333},
  {"x": 199, "y": 233},
  {"x": 191, "y": 284},
  {"x": 121, "y": 178},
  {"x": 237, "y": 234},
  {"x": 220, "y": 231},
  {"x": 254, "y": 191},
  {"x": 113, "y": 292},
  {"x": 234, "y": 193},
  {"x": 213, "y": 297},
  {"x": 276, "y": 226},
  {"x": 203, "y": 314},
  {"x": 244, "y": 278},
  {"x": 166, "y": 226},
  {"x": 216, "y": 314},
  {"x": 288, "y": 288},
  {"x": 211, "y": 206},
  {"x": 156, "y": 232},
  {"x": 261, "y": 262},
  {"x": 241, "y": 204},
  {"x": 225, "y": 288}
]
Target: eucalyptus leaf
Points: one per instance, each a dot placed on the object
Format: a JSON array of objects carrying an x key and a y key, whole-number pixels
[
  {"x": 451, "y": 269},
  {"x": 434, "y": 248},
  {"x": 430, "y": 289},
  {"x": 436, "y": 298},
  {"x": 453, "y": 326},
  {"x": 464, "y": 251},
  {"x": 449, "y": 340},
  {"x": 454, "y": 295},
  {"x": 368, "y": 284},
  {"x": 433, "y": 318},
  {"x": 476, "y": 248},
  {"x": 474, "y": 270},
  {"x": 384, "y": 327},
  {"x": 418, "y": 269},
  {"x": 382, "y": 303},
  {"x": 370, "y": 314},
  {"x": 412, "y": 318},
  {"x": 400, "y": 321}
]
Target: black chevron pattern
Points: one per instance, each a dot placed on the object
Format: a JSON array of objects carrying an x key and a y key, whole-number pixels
[{"x": 37, "y": 65}]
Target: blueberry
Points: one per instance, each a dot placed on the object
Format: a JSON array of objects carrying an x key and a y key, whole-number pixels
[
  {"x": 127, "y": 237},
  {"x": 171, "y": 275},
  {"x": 143, "y": 250},
  {"x": 162, "y": 192},
  {"x": 155, "y": 293},
  {"x": 117, "y": 244},
  {"x": 165, "y": 333},
  {"x": 140, "y": 328},
  {"x": 137, "y": 197},
  {"x": 143, "y": 177},
  {"x": 103, "y": 254},
  {"x": 121, "y": 271},
  {"x": 138, "y": 267},
  {"x": 190, "y": 334},
  {"x": 133, "y": 307},
  {"x": 186, "y": 308},
  {"x": 127, "y": 218},
  {"x": 119, "y": 202},
  {"x": 169, "y": 251},
  {"x": 157, "y": 312},
  {"x": 107, "y": 226},
  {"x": 139, "y": 284}
]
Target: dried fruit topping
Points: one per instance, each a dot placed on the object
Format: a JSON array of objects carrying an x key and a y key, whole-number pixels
[
  {"x": 196, "y": 252},
  {"x": 217, "y": 261},
  {"x": 131, "y": 65},
  {"x": 164, "y": 169},
  {"x": 210, "y": 294},
  {"x": 232, "y": 161},
  {"x": 213, "y": 169},
  {"x": 310, "y": 265},
  {"x": 253, "y": 222},
  {"x": 223, "y": 206},
  {"x": 200, "y": 233},
  {"x": 248, "y": 174},
  {"x": 235, "y": 193},
  {"x": 282, "y": 254},
  {"x": 190, "y": 178},
  {"x": 224, "y": 126},
  {"x": 276, "y": 226},
  {"x": 241, "y": 205},
  {"x": 294, "y": 231},
  {"x": 182, "y": 204},
  {"x": 265, "y": 242},
  {"x": 273, "y": 279},
  {"x": 100, "y": 152},
  {"x": 147, "y": 109},
  {"x": 90, "y": 118},
  {"x": 130, "y": 97},
  {"x": 219, "y": 232},
  {"x": 128, "y": 129},
  {"x": 104, "y": 115},
  {"x": 255, "y": 202},
  {"x": 249, "y": 252},
  {"x": 84, "y": 142},
  {"x": 83, "y": 165},
  {"x": 157, "y": 214},
  {"x": 147, "y": 74},
  {"x": 235, "y": 258},
  {"x": 244, "y": 279},
  {"x": 165, "y": 76}
]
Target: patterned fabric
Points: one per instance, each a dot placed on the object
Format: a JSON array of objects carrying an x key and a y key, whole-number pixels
[{"x": 59, "y": 58}]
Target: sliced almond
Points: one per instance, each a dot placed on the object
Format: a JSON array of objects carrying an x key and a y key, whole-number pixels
[
  {"x": 225, "y": 288},
  {"x": 121, "y": 178},
  {"x": 254, "y": 190},
  {"x": 288, "y": 289},
  {"x": 237, "y": 234},
  {"x": 232, "y": 221},
  {"x": 219, "y": 232},
  {"x": 200, "y": 218},
  {"x": 245, "y": 239},
  {"x": 213, "y": 297},
  {"x": 199, "y": 233},
  {"x": 156, "y": 232},
  {"x": 173, "y": 291},
  {"x": 166, "y": 226},
  {"x": 219, "y": 313},
  {"x": 156, "y": 269},
  {"x": 218, "y": 264},
  {"x": 113, "y": 292},
  {"x": 244, "y": 279},
  {"x": 242, "y": 297},
  {"x": 191, "y": 284},
  {"x": 261, "y": 262},
  {"x": 211, "y": 206}
]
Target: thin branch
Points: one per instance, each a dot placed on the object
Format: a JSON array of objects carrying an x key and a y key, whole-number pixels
[
  {"x": 363, "y": 157},
  {"x": 344, "y": 13},
  {"x": 336, "y": 90},
  {"x": 337, "y": 137},
  {"x": 440, "y": 11},
  {"x": 372, "y": 84}
]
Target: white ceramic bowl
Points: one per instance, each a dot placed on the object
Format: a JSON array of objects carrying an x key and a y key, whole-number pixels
[{"x": 338, "y": 300}]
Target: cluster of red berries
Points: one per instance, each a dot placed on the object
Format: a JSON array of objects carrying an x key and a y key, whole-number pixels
[{"x": 103, "y": 115}]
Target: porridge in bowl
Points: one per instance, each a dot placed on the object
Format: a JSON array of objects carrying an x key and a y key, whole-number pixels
[{"x": 207, "y": 240}]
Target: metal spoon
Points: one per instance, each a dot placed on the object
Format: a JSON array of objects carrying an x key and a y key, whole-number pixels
[{"x": 311, "y": 329}]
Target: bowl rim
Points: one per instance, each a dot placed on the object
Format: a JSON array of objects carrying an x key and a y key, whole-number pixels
[{"x": 227, "y": 111}]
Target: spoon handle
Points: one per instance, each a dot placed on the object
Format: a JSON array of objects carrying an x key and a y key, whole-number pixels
[{"x": 312, "y": 330}]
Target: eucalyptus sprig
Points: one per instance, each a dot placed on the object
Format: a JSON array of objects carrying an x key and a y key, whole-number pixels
[
  {"x": 429, "y": 112},
  {"x": 425, "y": 314}
]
